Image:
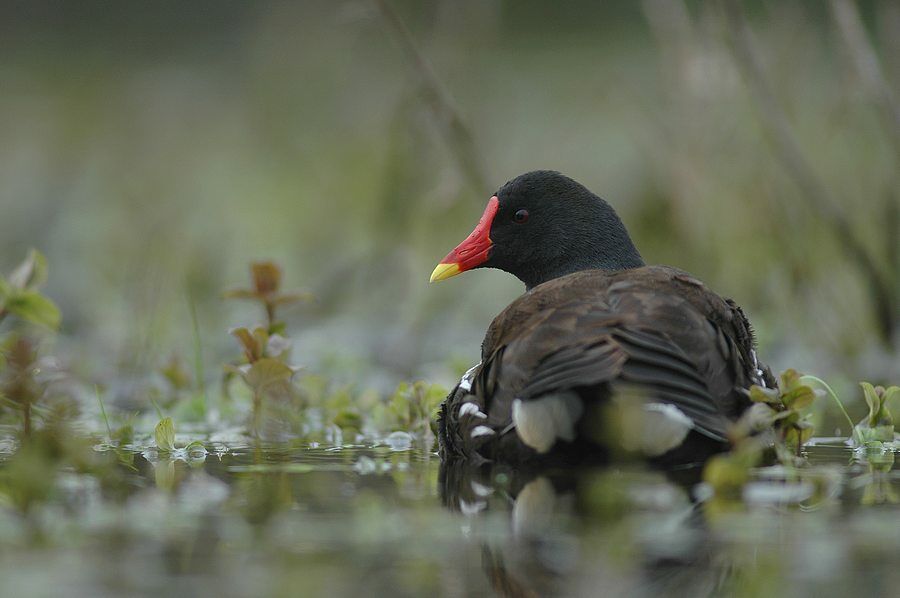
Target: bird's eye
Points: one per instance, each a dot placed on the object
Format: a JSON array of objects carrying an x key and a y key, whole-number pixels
[{"x": 521, "y": 217}]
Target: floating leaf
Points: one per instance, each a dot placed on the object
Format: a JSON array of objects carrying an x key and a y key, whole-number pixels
[{"x": 165, "y": 434}]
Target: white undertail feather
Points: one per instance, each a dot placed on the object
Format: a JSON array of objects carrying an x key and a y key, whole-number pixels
[
  {"x": 660, "y": 428},
  {"x": 481, "y": 431},
  {"x": 471, "y": 409},
  {"x": 539, "y": 422}
]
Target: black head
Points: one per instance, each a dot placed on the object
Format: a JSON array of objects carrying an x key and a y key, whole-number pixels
[{"x": 543, "y": 225}]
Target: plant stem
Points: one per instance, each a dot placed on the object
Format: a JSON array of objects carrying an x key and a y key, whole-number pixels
[
  {"x": 26, "y": 423},
  {"x": 809, "y": 378},
  {"x": 198, "y": 352},
  {"x": 270, "y": 315},
  {"x": 158, "y": 410},
  {"x": 257, "y": 402},
  {"x": 103, "y": 413}
]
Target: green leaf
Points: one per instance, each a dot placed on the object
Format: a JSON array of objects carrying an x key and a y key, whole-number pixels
[
  {"x": 787, "y": 416},
  {"x": 348, "y": 420},
  {"x": 758, "y": 394},
  {"x": 31, "y": 273},
  {"x": 33, "y": 307},
  {"x": 266, "y": 372},
  {"x": 728, "y": 473},
  {"x": 254, "y": 343},
  {"x": 872, "y": 400},
  {"x": 890, "y": 393},
  {"x": 799, "y": 397},
  {"x": 863, "y": 433},
  {"x": 165, "y": 434},
  {"x": 877, "y": 398},
  {"x": 790, "y": 379},
  {"x": 799, "y": 434}
]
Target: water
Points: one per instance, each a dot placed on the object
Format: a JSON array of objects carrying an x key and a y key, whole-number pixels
[{"x": 362, "y": 520}]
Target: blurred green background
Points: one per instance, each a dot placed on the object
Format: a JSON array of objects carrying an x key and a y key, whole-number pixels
[{"x": 152, "y": 150}]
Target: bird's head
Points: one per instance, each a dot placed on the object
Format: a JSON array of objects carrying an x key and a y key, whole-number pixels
[{"x": 542, "y": 225}]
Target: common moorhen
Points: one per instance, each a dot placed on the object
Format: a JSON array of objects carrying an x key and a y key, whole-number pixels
[{"x": 595, "y": 328}]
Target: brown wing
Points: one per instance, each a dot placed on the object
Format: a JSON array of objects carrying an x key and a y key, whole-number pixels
[{"x": 656, "y": 328}]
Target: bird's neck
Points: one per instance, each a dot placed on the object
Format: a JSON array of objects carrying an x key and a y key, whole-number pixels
[{"x": 608, "y": 247}]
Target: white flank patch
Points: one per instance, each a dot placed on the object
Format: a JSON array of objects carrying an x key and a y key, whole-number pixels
[
  {"x": 541, "y": 421},
  {"x": 471, "y": 409},
  {"x": 662, "y": 428},
  {"x": 465, "y": 382},
  {"x": 481, "y": 431}
]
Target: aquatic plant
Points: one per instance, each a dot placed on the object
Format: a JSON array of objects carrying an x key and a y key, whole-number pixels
[
  {"x": 412, "y": 408},
  {"x": 779, "y": 420},
  {"x": 266, "y": 291},
  {"x": 266, "y": 349},
  {"x": 23, "y": 382},
  {"x": 878, "y": 425},
  {"x": 783, "y": 410},
  {"x": 19, "y": 293}
]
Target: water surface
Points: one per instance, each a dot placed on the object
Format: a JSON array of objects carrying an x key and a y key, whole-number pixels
[{"x": 247, "y": 520}]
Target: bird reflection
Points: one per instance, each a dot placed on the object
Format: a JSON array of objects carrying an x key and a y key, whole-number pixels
[{"x": 580, "y": 532}]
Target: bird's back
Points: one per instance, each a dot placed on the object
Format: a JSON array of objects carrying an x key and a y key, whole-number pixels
[{"x": 654, "y": 330}]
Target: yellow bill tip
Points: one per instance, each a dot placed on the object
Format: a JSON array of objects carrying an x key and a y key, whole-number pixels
[{"x": 444, "y": 271}]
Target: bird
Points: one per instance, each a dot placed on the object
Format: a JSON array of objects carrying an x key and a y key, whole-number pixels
[{"x": 602, "y": 354}]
